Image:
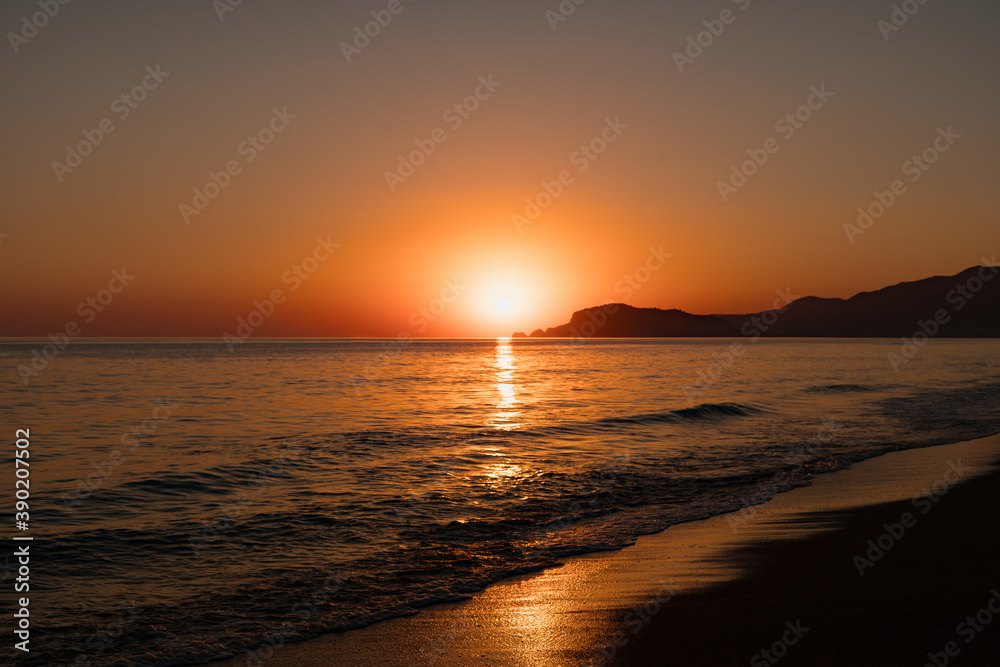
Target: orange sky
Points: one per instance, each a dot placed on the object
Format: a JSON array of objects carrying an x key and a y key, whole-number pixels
[{"x": 550, "y": 92}]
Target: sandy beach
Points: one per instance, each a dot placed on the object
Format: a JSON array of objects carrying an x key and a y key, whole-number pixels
[
  {"x": 889, "y": 562},
  {"x": 912, "y": 581}
]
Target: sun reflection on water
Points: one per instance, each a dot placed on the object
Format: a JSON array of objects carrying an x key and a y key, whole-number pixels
[{"x": 507, "y": 414}]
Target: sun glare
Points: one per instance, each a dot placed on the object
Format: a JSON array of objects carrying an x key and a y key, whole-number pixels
[{"x": 503, "y": 301}]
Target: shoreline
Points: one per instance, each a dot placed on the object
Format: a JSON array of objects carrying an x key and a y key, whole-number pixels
[
  {"x": 911, "y": 581},
  {"x": 661, "y": 596}
]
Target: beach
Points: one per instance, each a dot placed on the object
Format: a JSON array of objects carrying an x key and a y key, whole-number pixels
[
  {"x": 912, "y": 581},
  {"x": 889, "y": 562},
  {"x": 543, "y": 503}
]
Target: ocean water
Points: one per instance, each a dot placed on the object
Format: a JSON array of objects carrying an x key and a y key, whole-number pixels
[{"x": 189, "y": 502}]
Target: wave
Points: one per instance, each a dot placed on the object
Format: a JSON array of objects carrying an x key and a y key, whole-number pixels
[
  {"x": 388, "y": 520},
  {"x": 841, "y": 389},
  {"x": 703, "y": 412}
]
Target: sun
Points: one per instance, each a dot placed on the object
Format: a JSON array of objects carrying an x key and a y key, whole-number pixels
[{"x": 504, "y": 304}]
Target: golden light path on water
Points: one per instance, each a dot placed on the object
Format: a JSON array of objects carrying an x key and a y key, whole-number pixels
[{"x": 507, "y": 416}]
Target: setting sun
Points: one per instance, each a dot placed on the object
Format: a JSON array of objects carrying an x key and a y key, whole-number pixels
[{"x": 504, "y": 304}]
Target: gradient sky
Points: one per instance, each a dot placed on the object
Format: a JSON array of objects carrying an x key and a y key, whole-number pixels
[{"x": 324, "y": 174}]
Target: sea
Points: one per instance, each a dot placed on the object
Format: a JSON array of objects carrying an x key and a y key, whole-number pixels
[{"x": 191, "y": 500}]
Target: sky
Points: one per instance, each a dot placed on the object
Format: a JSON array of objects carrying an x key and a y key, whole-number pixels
[{"x": 230, "y": 159}]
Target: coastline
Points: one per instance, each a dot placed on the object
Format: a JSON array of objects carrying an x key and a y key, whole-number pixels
[
  {"x": 719, "y": 591},
  {"x": 913, "y": 581}
]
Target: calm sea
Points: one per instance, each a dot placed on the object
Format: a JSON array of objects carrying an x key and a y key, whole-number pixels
[{"x": 189, "y": 502}]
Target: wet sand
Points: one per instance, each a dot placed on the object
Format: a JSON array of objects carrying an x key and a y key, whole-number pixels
[
  {"x": 911, "y": 582},
  {"x": 781, "y": 578}
]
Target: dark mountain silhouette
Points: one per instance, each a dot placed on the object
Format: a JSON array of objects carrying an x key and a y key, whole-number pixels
[{"x": 966, "y": 305}]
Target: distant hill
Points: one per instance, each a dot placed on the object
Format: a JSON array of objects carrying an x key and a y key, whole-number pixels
[{"x": 966, "y": 305}]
